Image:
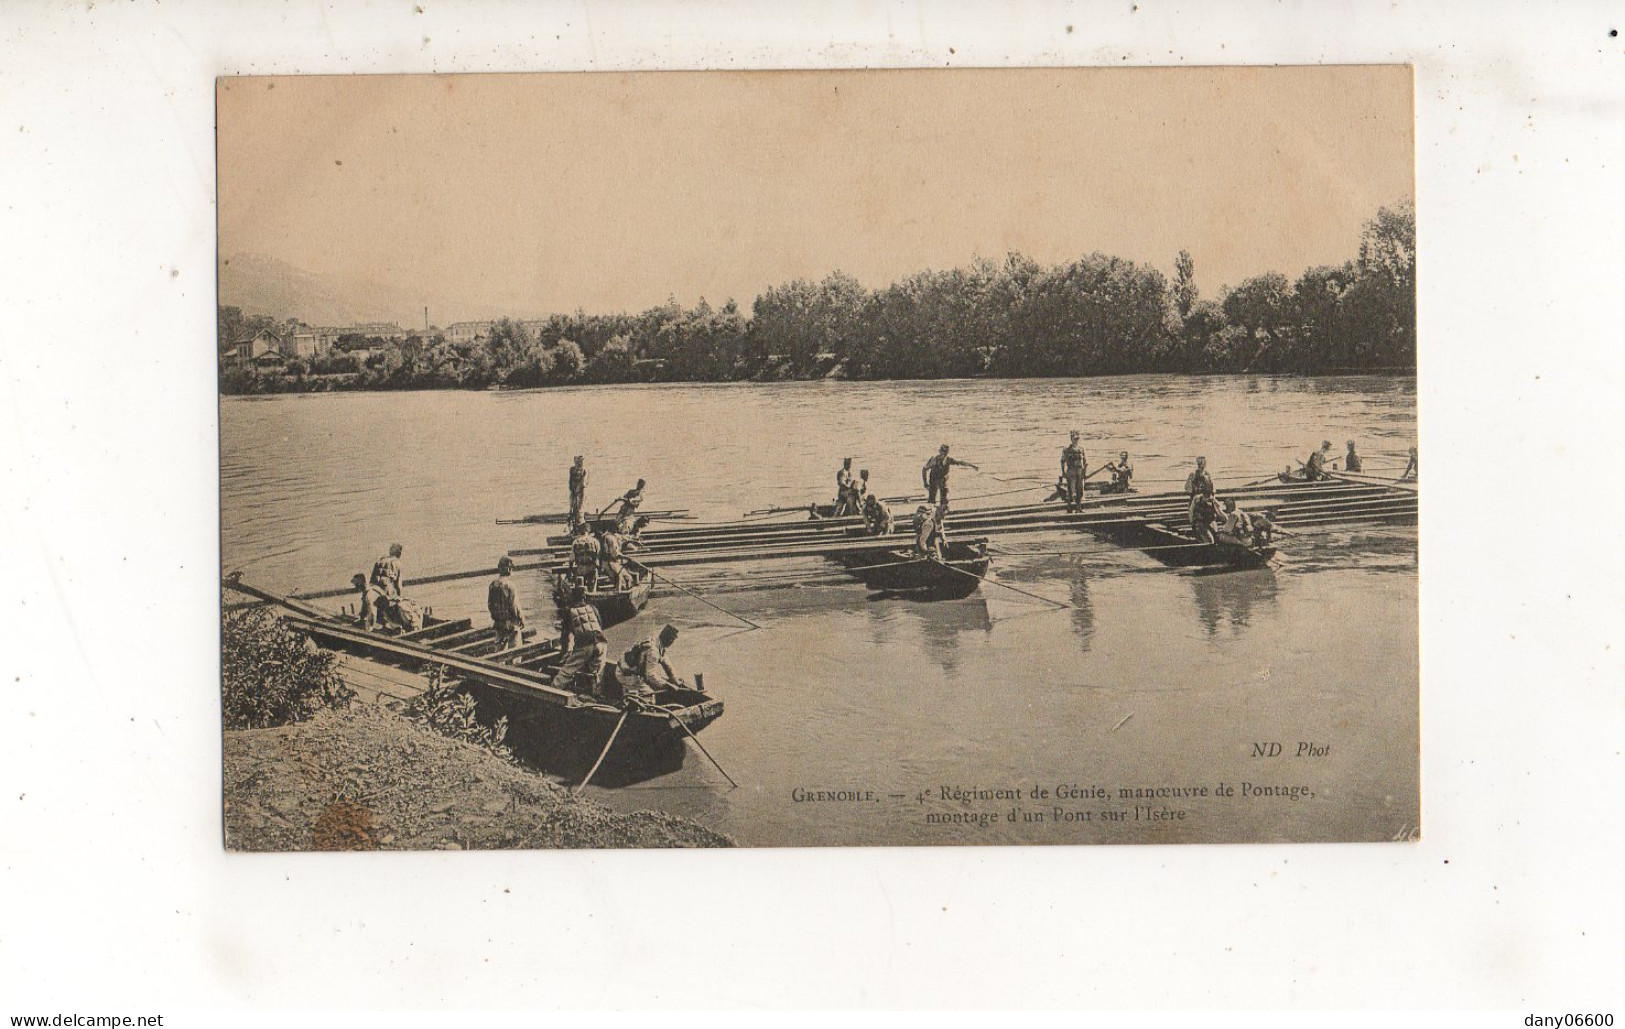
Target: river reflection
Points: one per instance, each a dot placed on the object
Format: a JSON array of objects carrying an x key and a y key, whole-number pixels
[{"x": 1227, "y": 598}]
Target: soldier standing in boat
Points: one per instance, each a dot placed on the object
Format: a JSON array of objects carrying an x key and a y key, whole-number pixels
[
  {"x": 934, "y": 475},
  {"x": 929, "y": 536},
  {"x": 578, "y": 490},
  {"x": 860, "y": 491},
  {"x": 1351, "y": 461},
  {"x": 644, "y": 668},
  {"x": 584, "y": 551},
  {"x": 1314, "y": 469},
  {"x": 507, "y": 617},
  {"x": 1074, "y": 469},
  {"x": 843, "y": 489},
  {"x": 1198, "y": 484},
  {"x": 583, "y": 645}
]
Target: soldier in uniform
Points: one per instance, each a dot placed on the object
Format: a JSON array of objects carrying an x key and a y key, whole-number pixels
[
  {"x": 1204, "y": 511},
  {"x": 644, "y": 668},
  {"x": 631, "y": 500},
  {"x": 584, "y": 551},
  {"x": 1352, "y": 462},
  {"x": 578, "y": 490},
  {"x": 1074, "y": 469},
  {"x": 929, "y": 536},
  {"x": 614, "y": 548},
  {"x": 502, "y": 601},
  {"x": 386, "y": 573},
  {"x": 1199, "y": 484},
  {"x": 934, "y": 475},
  {"x": 1122, "y": 474},
  {"x": 1413, "y": 469},
  {"x": 843, "y": 489},
  {"x": 583, "y": 644},
  {"x": 876, "y": 516},
  {"x": 1314, "y": 469}
]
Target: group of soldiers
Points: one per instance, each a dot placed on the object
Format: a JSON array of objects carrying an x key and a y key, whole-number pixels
[
  {"x": 641, "y": 670},
  {"x": 1220, "y": 521},
  {"x": 1320, "y": 462},
  {"x": 853, "y": 497}
]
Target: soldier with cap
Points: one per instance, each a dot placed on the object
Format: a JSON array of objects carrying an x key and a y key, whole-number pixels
[
  {"x": 1074, "y": 469},
  {"x": 843, "y": 489},
  {"x": 1351, "y": 461},
  {"x": 578, "y": 490},
  {"x": 934, "y": 475},
  {"x": 928, "y": 532},
  {"x": 584, "y": 551},
  {"x": 1122, "y": 474},
  {"x": 614, "y": 548},
  {"x": 507, "y": 617},
  {"x": 644, "y": 668},
  {"x": 1199, "y": 485},
  {"x": 1314, "y": 469},
  {"x": 876, "y": 516},
  {"x": 386, "y": 573},
  {"x": 583, "y": 644}
]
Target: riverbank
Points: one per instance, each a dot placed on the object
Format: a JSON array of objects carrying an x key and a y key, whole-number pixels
[{"x": 367, "y": 779}]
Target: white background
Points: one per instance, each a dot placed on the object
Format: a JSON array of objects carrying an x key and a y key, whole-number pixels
[{"x": 115, "y": 893}]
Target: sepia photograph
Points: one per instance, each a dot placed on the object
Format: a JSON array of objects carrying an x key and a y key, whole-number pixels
[{"x": 818, "y": 458}]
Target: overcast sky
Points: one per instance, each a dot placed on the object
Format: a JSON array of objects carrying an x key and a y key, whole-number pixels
[{"x": 608, "y": 192}]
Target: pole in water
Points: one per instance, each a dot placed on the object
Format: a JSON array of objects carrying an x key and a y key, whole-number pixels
[
  {"x": 682, "y": 725},
  {"x": 696, "y": 596},
  {"x": 605, "y": 753},
  {"x": 1006, "y": 585}
]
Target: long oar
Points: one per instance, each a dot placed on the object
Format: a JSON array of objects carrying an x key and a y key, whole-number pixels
[
  {"x": 682, "y": 725},
  {"x": 696, "y": 596},
  {"x": 605, "y": 753},
  {"x": 1006, "y": 585}
]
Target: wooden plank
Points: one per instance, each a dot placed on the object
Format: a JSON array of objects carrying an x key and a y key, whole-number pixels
[
  {"x": 506, "y": 678},
  {"x": 442, "y": 629}
]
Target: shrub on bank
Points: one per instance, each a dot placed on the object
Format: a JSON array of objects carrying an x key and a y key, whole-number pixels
[
  {"x": 450, "y": 711},
  {"x": 271, "y": 675}
]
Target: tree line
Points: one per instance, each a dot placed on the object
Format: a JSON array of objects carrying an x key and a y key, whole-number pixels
[{"x": 1098, "y": 315}]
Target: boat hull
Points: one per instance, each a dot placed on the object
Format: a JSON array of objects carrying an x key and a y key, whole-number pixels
[
  {"x": 613, "y": 606},
  {"x": 902, "y": 572},
  {"x": 1180, "y": 549}
]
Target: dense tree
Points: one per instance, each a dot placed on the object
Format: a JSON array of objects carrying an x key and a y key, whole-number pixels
[
  {"x": 1184, "y": 292},
  {"x": 1098, "y": 315}
]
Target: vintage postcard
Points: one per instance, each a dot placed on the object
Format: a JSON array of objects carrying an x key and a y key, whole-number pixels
[{"x": 930, "y": 457}]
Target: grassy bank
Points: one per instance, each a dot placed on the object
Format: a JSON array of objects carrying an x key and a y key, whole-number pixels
[{"x": 364, "y": 778}]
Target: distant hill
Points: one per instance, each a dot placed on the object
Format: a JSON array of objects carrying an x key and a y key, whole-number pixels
[{"x": 266, "y": 285}]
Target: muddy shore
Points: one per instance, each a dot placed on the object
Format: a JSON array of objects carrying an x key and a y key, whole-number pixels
[{"x": 368, "y": 779}]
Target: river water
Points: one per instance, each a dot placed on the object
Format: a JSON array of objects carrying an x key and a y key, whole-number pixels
[{"x": 930, "y": 714}]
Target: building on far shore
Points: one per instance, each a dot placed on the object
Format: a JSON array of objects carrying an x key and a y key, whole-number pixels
[
  {"x": 309, "y": 343},
  {"x": 467, "y": 332},
  {"x": 381, "y": 330},
  {"x": 250, "y": 349}
]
